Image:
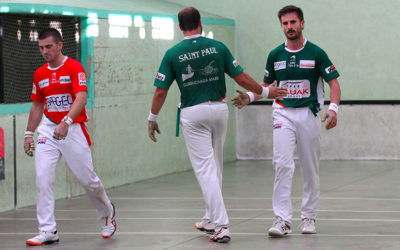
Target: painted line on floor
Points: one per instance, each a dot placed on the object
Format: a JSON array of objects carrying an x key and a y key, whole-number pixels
[
  {"x": 231, "y": 209},
  {"x": 242, "y": 198},
  {"x": 196, "y": 218},
  {"x": 200, "y": 234}
]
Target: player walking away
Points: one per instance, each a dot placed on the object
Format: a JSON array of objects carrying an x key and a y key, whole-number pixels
[
  {"x": 198, "y": 65},
  {"x": 60, "y": 92},
  {"x": 300, "y": 66}
]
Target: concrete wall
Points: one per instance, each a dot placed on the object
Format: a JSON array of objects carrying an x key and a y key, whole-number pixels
[
  {"x": 357, "y": 37},
  {"x": 363, "y": 132},
  {"x": 356, "y": 34},
  {"x": 122, "y": 72}
]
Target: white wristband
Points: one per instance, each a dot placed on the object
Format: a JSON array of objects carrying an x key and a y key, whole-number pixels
[
  {"x": 28, "y": 134},
  {"x": 152, "y": 117},
  {"x": 334, "y": 107},
  {"x": 265, "y": 92},
  {"x": 251, "y": 96},
  {"x": 67, "y": 120}
]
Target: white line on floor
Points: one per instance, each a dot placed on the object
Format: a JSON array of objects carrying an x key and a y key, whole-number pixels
[
  {"x": 244, "y": 198},
  {"x": 199, "y": 234},
  {"x": 196, "y": 218}
]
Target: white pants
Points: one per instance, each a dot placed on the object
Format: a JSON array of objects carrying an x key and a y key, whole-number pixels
[
  {"x": 296, "y": 127},
  {"x": 204, "y": 129},
  {"x": 76, "y": 153}
]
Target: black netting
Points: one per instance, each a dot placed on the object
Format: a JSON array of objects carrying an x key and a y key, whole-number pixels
[{"x": 20, "y": 55}]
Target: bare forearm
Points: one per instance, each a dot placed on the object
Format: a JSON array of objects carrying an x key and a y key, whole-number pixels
[
  {"x": 335, "y": 91},
  {"x": 158, "y": 100},
  {"x": 247, "y": 82},
  {"x": 35, "y": 116},
  {"x": 78, "y": 105}
]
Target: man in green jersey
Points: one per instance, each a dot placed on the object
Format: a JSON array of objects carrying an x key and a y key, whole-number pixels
[
  {"x": 198, "y": 65},
  {"x": 300, "y": 66}
]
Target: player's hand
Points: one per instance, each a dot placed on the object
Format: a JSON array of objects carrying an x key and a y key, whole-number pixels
[
  {"x": 277, "y": 92},
  {"x": 29, "y": 146},
  {"x": 330, "y": 118},
  {"x": 61, "y": 131},
  {"x": 241, "y": 100},
  {"x": 153, "y": 126}
]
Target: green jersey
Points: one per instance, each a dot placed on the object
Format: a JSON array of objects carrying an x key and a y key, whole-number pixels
[
  {"x": 301, "y": 72},
  {"x": 198, "y": 65}
]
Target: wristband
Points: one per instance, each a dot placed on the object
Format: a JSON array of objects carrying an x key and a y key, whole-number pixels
[
  {"x": 251, "y": 96},
  {"x": 265, "y": 92},
  {"x": 334, "y": 107},
  {"x": 67, "y": 120},
  {"x": 152, "y": 117},
  {"x": 28, "y": 134}
]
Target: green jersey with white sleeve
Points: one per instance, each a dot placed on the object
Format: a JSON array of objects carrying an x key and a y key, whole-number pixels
[
  {"x": 301, "y": 72},
  {"x": 198, "y": 64}
]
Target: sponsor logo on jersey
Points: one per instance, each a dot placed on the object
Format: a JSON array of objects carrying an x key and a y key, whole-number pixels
[
  {"x": 82, "y": 78},
  {"x": 279, "y": 65},
  {"x": 266, "y": 74},
  {"x": 59, "y": 103},
  {"x": 307, "y": 64},
  {"x": 296, "y": 88},
  {"x": 44, "y": 83},
  {"x": 330, "y": 69},
  {"x": 54, "y": 78},
  {"x": 41, "y": 141},
  {"x": 65, "y": 79},
  {"x": 34, "y": 89},
  {"x": 277, "y": 125},
  {"x": 235, "y": 63},
  {"x": 160, "y": 76}
]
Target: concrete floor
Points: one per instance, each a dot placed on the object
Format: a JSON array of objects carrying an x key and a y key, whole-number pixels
[{"x": 359, "y": 209}]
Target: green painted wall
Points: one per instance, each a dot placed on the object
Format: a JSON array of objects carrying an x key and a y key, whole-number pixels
[
  {"x": 122, "y": 72},
  {"x": 360, "y": 36}
]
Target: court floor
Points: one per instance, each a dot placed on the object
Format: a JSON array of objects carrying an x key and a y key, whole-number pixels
[{"x": 359, "y": 209}]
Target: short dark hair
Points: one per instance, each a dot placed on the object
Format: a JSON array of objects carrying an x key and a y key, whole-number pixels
[
  {"x": 50, "y": 32},
  {"x": 189, "y": 18},
  {"x": 290, "y": 9}
]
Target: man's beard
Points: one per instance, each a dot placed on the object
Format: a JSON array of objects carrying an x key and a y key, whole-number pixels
[{"x": 295, "y": 37}]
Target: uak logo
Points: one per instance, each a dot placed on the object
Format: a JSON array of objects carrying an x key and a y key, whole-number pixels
[
  {"x": 298, "y": 92},
  {"x": 41, "y": 141}
]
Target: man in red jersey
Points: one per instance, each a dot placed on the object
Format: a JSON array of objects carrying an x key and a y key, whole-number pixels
[{"x": 60, "y": 92}]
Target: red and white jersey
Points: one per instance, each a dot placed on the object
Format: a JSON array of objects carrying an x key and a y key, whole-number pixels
[{"x": 57, "y": 88}]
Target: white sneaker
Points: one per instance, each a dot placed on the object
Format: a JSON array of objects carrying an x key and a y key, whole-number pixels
[
  {"x": 44, "y": 238},
  {"x": 279, "y": 228},
  {"x": 205, "y": 226},
  {"x": 307, "y": 226},
  {"x": 109, "y": 225},
  {"x": 222, "y": 236}
]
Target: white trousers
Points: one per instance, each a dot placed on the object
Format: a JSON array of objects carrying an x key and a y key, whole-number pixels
[
  {"x": 76, "y": 153},
  {"x": 204, "y": 129},
  {"x": 296, "y": 127}
]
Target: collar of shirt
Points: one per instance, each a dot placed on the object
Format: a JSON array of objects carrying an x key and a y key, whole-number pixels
[
  {"x": 294, "y": 51},
  {"x": 193, "y": 36},
  {"x": 65, "y": 59}
]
